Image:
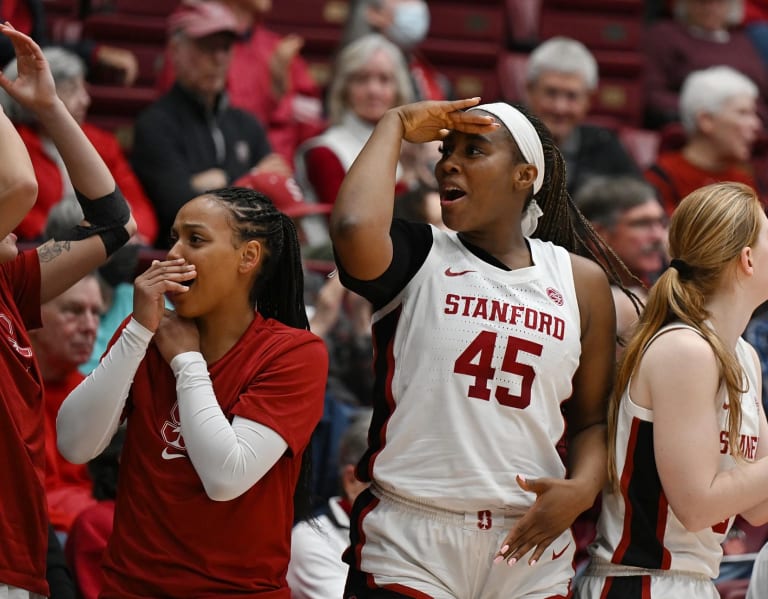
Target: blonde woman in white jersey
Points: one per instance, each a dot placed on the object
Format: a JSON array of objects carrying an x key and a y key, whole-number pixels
[
  {"x": 686, "y": 420},
  {"x": 481, "y": 335}
]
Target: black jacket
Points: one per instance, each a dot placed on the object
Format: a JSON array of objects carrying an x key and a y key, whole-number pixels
[{"x": 176, "y": 138}]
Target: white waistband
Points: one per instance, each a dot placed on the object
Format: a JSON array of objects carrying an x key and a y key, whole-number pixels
[{"x": 600, "y": 567}]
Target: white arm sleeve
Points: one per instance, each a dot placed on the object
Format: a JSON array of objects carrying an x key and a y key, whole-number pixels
[
  {"x": 90, "y": 415},
  {"x": 228, "y": 458}
]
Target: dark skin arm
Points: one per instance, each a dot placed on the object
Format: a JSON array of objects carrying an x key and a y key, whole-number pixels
[
  {"x": 560, "y": 501},
  {"x": 362, "y": 214}
]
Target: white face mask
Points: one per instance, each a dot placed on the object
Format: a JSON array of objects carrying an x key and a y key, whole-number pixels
[{"x": 409, "y": 25}]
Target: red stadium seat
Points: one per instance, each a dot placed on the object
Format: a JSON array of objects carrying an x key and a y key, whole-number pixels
[
  {"x": 313, "y": 13},
  {"x": 448, "y": 52},
  {"x": 146, "y": 7},
  {"x": 114, "y": 27},
  {"x": 463, "y": 21},
  {"x": 594, "y": 30},
  {"x": 317, "y": 40},
  {"x": 620, "y": 6},
  {"x": 468, "y": 82},
  {"x": 60, "y": 7}
]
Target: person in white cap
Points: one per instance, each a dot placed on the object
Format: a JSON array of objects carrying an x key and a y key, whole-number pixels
[{"x": 482, "y": 334}]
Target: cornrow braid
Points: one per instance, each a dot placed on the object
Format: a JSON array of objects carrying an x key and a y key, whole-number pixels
[
  {"x": 563, "y": 223},
  {"x": 278, "y": 291}
]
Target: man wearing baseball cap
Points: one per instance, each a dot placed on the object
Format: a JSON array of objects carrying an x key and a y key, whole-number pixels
[{"x": 191, "y": 139}]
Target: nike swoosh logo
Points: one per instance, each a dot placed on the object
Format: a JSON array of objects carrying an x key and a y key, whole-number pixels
[
  {"x": 167, "y": 455},
  {"x": 555, "y": 555},
  {"x": 457, "y": 273}
]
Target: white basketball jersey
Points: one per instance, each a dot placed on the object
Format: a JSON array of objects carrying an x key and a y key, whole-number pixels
[
  {"x": 636, "y": 526},
  {"x": 473, "y": 363}
]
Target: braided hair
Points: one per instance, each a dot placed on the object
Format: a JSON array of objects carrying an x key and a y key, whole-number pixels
[
  {"x": 563, "y": 223},
  {"x": 278, "y": 291}
]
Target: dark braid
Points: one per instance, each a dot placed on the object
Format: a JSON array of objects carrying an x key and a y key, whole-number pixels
[
  {"x": 564, "y": 224},
  {"x": 278, "y": 291}
]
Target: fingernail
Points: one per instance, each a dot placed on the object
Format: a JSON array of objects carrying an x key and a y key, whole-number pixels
[
  {"x": 532, "y": 562},
  {"x": 512, "y": 561},
  {"x": 505, "y": 549},
  {"x": 498, "y": 559},
  {"x": 522, "y": 478}
]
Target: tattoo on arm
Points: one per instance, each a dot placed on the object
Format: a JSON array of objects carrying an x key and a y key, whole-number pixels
[{"x": 50, "y": 250}]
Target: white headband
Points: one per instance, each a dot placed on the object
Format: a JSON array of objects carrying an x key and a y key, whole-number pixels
[{"x": 523, "y": 133}]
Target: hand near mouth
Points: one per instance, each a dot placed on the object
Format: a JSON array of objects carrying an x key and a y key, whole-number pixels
[{"x": 150, "y": 287}]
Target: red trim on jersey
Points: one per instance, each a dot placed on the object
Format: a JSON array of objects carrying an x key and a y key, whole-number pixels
[
  {"x": 626, "y": 476},
  {"x": 606, "y": 588},
  {"x": 646, "y": 584},
  {"x": 359, "y": 547}
]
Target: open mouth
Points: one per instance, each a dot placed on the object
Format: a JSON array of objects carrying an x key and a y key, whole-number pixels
[
  {"x": 452, "y": 194},
  {"x": 188, "y": 283}
]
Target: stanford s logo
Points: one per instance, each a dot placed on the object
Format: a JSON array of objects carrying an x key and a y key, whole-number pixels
[
  {"x": 555, "y": 296},
  {"x": 484, "y": 519},
  {"x": 171, "y": 433},
  {"x": 10, "y": 335}
]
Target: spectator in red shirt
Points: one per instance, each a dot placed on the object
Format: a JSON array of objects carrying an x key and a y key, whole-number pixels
[
  {"x": 702, "y": 34},
  {"x": 53, "y": 183},
  {"x": 718, "y": 112},
  {"x": 64, "y": 342}
]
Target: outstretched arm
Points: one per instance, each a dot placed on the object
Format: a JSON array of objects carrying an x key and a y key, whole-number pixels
[
  {"x": 18, "y": 186},
  {"x": 63, "y": 263},
  {"x": 362, "y": 213}
]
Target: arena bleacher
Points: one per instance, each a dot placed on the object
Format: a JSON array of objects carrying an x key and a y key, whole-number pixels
[{"x": 481, "y": 46}]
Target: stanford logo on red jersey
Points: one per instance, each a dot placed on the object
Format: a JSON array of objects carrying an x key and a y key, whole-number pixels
[
  {"x": 171, "y": 433},
  {"x": 555, "y": 296},
  {"x": 10, "y": 335}
]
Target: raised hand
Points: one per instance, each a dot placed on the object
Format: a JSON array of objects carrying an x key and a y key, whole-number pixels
[
  {"x": 151, "y": 286},
  {"x": 34, "y": 88},
  {"x": 430, "y": 121}
]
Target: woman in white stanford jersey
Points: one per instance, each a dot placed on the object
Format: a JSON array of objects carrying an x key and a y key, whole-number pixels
[
  {"x": 481, "y": 336},
  {"x": 686, "y": 419},
  {"x": 221, "y": 397}
]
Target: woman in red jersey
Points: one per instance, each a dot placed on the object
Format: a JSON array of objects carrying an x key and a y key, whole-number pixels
[
  {"x": 27, "y": 280},
  {"x": 220, "y": 395}
]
